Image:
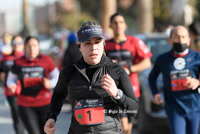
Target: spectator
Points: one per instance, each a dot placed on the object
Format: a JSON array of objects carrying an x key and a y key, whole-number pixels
[{"x": 72, "y": 53}]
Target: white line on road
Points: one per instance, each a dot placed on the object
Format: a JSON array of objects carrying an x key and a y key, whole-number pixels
[{"x": 4, "y": 120}]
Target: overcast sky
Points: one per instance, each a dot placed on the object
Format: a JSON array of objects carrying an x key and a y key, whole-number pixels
[{"x": 8, "y": 4}]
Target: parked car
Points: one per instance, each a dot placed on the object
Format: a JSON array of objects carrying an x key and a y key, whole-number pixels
[
  {"x": 45, "y": 43},
  {"x": 152, "y": 117}
]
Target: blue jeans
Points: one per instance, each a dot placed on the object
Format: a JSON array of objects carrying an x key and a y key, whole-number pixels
[{"x": 184, "y": 124}]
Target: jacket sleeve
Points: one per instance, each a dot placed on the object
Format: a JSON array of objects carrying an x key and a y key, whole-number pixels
[
  {"x": 128, "y": 103},
  {"x": 60, "y": 93},
  {"x": 153, "y": 77}
]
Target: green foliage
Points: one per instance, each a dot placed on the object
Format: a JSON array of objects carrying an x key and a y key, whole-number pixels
[
  {"x": 73, "y": 21},
  {"x": 196, "y": 5},
  {"x": 90, "y": 10},
  {"x": 161, "y": 9}
]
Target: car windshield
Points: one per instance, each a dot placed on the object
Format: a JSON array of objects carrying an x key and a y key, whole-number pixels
[{"x": 157, "y": 47}]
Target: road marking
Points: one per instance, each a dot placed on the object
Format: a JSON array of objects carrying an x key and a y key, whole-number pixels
[{"x": 4, "y": 120}]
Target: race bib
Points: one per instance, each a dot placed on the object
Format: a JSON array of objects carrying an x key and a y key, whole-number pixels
[
  {"x": 32, "y": 77},
  {"x": 178, "y": 80},
  {"x": 89, "y": 111},
  {"x": 32, "y": 82},
  {"x": 122, "y": 57}
]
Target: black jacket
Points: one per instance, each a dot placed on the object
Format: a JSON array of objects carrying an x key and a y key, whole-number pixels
[
  {"x": 72, "y": 54},
  {"x": 81, "y": 80}
]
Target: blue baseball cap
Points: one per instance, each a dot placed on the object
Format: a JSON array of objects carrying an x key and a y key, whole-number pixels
[{"x": 89, "y": 32}]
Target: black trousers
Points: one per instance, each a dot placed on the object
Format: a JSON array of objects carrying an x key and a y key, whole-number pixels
[
  {"x": 18, "y": 125},
  {"x": 34, "y": 118}
]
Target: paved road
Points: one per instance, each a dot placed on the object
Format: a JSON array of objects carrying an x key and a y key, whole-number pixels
[
  {"x": 6, "y": 122},
  {"x": 62, "y": 123}
]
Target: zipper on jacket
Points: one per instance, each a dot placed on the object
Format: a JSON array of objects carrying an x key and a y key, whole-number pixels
[
  {"x": 93, "y": 77},
  {"x": 90, "y": 88},
  {"x": 95, "y": 74},
  {"x": 83, "y": 74}
]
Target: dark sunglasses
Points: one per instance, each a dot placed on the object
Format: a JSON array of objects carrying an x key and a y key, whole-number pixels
[{"x": 19, "y": 43}]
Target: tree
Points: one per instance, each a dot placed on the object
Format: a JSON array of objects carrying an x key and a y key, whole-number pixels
[
  {"x": 25, "y": 30},
  {"x": 144, "y": 15},
  {"x": 108, "y": 8}
]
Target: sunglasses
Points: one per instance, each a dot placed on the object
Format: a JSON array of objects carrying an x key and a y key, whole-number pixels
[{"x": 19, "y": 43}]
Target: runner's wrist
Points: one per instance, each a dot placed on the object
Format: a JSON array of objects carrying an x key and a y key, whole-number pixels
[
  {"x": 119, "y": 94},
  {"x": 51, "y": 116},
  {"x": 129, "y": 68}
]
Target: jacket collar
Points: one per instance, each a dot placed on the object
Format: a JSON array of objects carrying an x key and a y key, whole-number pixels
[{"x": 82, "y": 64}]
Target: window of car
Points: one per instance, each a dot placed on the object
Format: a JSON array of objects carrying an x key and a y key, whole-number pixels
[{"x": 157, "y": 47}]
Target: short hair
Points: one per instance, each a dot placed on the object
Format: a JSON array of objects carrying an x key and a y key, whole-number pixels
[
  {"x": 28, "y": 38},
  {"x": 195, "y": 28},
  {"x": 174, "y": 29},
  {"x": 114, "y": 15}
]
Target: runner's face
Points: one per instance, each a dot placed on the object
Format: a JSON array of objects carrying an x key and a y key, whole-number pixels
[
  {"x": 18, "y": 44},
  {"x": 180, "y": 35},
  {"x": 32, "y": 48},
  {"x": 6, "y": 38},
  {"x": 92, "y": 50},
  {"x": 118, "y": 25}
]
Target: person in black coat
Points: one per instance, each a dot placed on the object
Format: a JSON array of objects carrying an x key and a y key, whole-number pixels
[{"x": 72, "y": 53}]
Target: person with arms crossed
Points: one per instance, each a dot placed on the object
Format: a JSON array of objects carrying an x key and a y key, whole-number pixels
[
  {"x": 132, "y": 54},
  {"x": 96, "y": 87},
  {"x": 180, "y": 68}
]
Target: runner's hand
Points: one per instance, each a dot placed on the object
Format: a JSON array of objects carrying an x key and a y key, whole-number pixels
[
  {"x": 192, "y": 83},
  {"x": 13, "y": 88},
  {"x": 157, "y": 99},
  {"x": 49, "y": 127},
  {"x": 109, "y": 85},
  {"x": 46, "y": 83}
]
